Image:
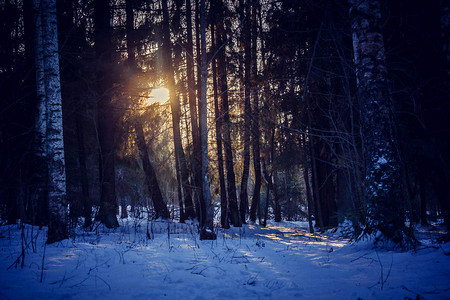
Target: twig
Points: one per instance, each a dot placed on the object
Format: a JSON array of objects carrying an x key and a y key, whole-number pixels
[
  {"x": 418, "y": 296},
  {"x": 381, "y": 265},
  {"x": 43, "y": 259},
  {"x": 96, "y": 276},
  {"x": 362, "y": 256}
]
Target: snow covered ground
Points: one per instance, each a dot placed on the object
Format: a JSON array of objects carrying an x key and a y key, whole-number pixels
[{"x": 282, "y": 261}]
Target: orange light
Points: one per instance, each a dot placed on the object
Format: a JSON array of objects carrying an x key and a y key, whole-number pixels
[{"x": 160, "y": 95}]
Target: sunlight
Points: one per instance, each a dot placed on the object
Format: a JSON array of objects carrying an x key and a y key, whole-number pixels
[{"x": 160, "y": 95}]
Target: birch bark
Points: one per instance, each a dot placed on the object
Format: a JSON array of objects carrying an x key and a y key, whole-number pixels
[{"x": 54, "y": 146}]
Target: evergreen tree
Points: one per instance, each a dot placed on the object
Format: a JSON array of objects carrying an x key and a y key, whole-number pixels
[{"x": 382, "y": 167}]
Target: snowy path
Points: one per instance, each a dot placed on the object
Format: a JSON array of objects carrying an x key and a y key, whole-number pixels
[{"x": 282, "y": 261}]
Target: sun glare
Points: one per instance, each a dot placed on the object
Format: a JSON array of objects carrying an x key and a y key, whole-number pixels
[{"x": 160, "y": 95}]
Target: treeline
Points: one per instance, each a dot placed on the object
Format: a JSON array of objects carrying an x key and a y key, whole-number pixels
[{"x": 290, "y": 109}]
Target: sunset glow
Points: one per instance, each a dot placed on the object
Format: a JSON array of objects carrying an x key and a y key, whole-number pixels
[{"x": 160, "y": 95}]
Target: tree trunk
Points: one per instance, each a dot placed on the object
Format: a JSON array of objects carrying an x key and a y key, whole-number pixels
[
  {"x": 190, "y": 61},
  {"x": 198, "y": 51},
  {"x": 309, "y": 199},
  {"x": 150, "y": 175},
  {"x": 445, "y": 27},
  {"x": 131, "y": 42},
  {"x": 176, "y": 114},
  {"x": 276, "y": 199},
  {"x": 207, "y": 229},
  {"x": 57, "y": 226},
  {"x": 269, "y": 189},
  {"x": 315, "y": 183},
  {"x": 41, "y": 119},
  {"x": 223, "y": 193},
  {"x": 106, "y": 114},
  {"x": 422, "y": 175},
  {"x": 255, "y": 118},
  {"x": 222, "y": 70},
  {"x": 87, "y": 206},
  {"x": 382, "y": 168},
  {"x": 247, "y": 118}
]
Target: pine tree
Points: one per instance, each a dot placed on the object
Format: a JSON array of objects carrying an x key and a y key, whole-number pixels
[
  {"x": 382, "y": 168},
  {"x": 243, "y": 195},
  {"x": 176, "y": 112},
  {"x": 223, "y": 91},
  {"x": 106, "y": 114},
  {"x": 207, "y": 230}
]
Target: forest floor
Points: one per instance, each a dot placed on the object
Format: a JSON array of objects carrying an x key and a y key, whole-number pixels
[{"x": 281, "y": 261}]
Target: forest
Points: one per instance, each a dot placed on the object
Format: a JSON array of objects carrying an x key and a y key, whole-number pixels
[{"x": 239, "y": 120}]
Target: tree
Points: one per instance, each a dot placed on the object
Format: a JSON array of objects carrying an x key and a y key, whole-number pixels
[
  {"x": 224, "y": 218},
  {"x": 192, "y": 98},
  {"x": 151, "y": 180},
  {"x": 53, "y": 119},
  {"x": 106, "y": 114},
  {"x": 41, "y": 118},
  {"x": 207, "y": 226},
  {"x": 223, "y": 91},
  {"x": 255, "y": 130},
  {"x": 150, "y": 175},
  {"x": 243, "y": 195},
  {"x": 382, "y": 168},
  {"x": 176, "y": 114}
]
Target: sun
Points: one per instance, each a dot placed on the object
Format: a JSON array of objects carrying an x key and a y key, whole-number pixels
[{"x": 160, "y": 95}]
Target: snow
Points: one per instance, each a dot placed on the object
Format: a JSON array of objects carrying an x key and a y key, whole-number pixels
[{"x": 282, "y": 261}]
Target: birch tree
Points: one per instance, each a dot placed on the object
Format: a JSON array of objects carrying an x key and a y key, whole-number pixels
[
  {"x": 41, "y": 119},
  {"x": 50, "y": 120}
]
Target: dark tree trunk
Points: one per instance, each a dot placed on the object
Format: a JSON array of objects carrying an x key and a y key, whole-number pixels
[
  {"x": 445, "y": 28},
  {"x": 176, "y": 113},
  {"x": 131, "y": 42},
  {"x": 207, "y": 228},
  {"x": 196, "y": 157},
  {"x": 198, "y": 51},
  {"x": 309, "y": 199},
  {"x": 315, "y": 183},
  {"x": 382, "y": 168},
  {"x": 247, "y": 117},
  {"x": 223, "y": 89},
  {"x": 106, "y": 114},
  {"x": 87, "y": 206},
  {"x": 255, "y": 119},
  {"x": 28, "y": 93},
  {"x": 224, "y": 217},
  {"x": 325, "y": 184},
  {"x": 150, "y": 175},
  {"x": 269, "y": 189},
  {"x": 200, "y": 208},
  {"x": 276, "y": 199},
  {"x": 422, "y": 174}
]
